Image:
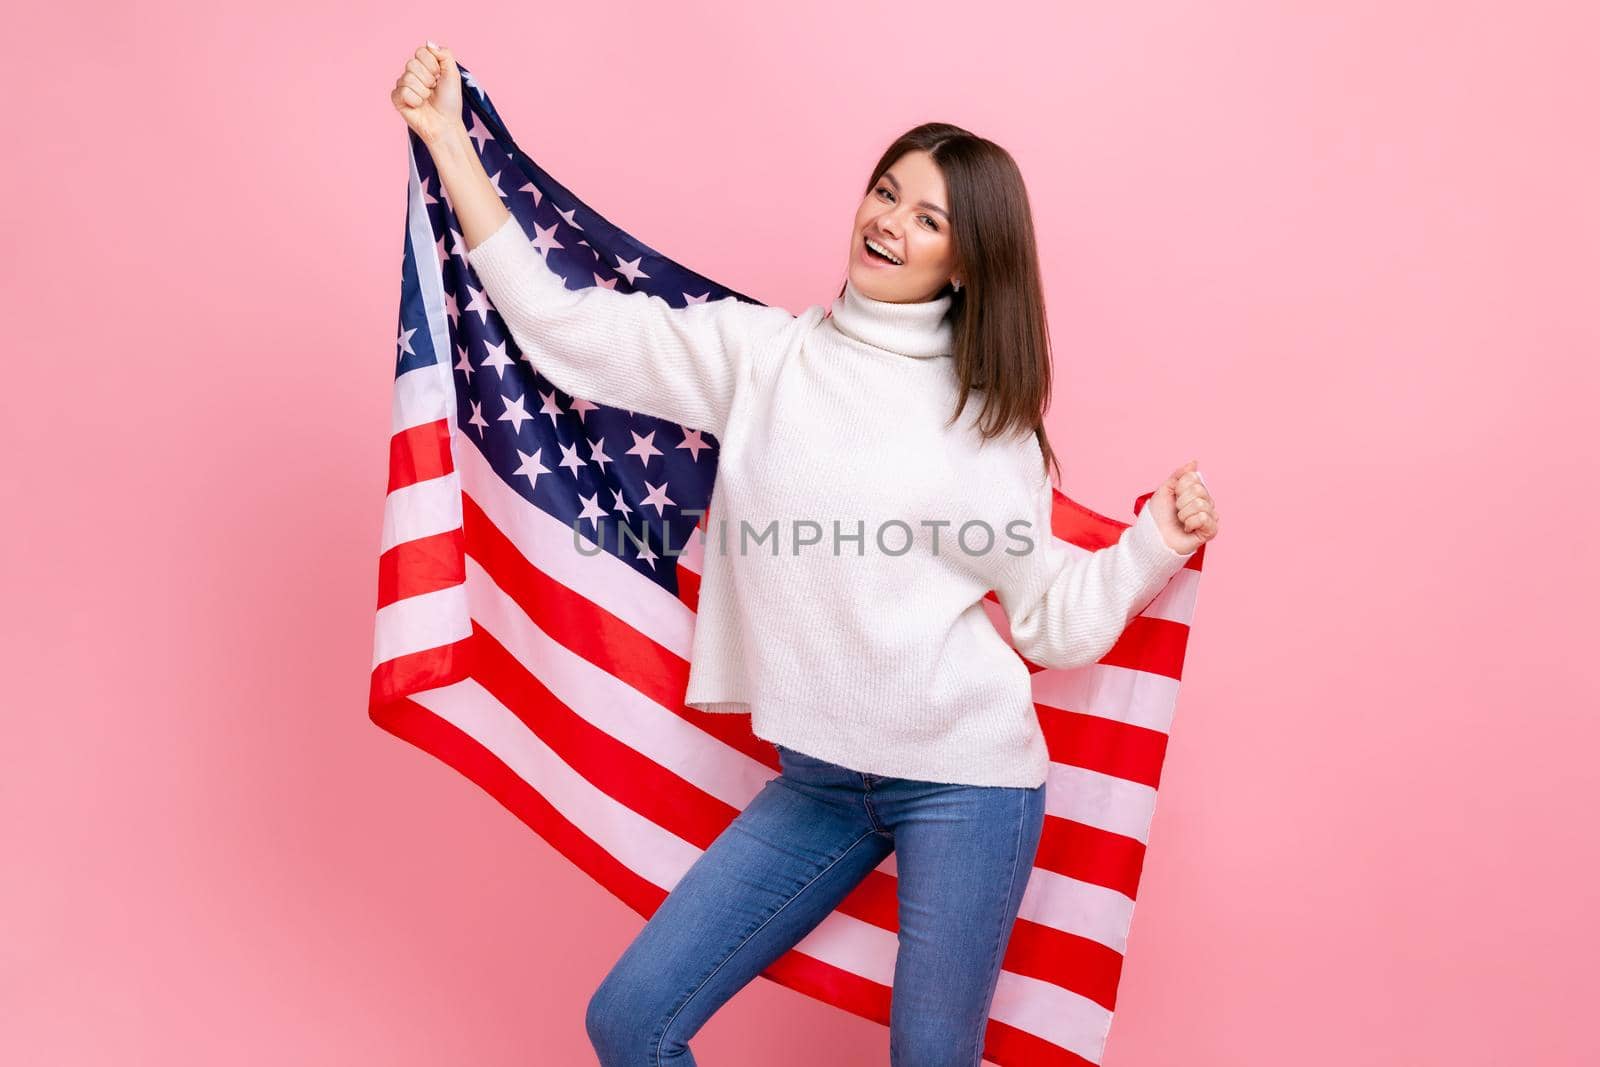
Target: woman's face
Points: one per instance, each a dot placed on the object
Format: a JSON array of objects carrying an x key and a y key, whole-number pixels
[{"x": 906, "y": 213}]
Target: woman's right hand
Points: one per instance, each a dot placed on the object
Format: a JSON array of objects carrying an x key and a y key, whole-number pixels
[{"x": 428, "y": 93}]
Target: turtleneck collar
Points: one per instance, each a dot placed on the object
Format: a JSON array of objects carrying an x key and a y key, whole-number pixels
[{"x": 918, "y": 330}]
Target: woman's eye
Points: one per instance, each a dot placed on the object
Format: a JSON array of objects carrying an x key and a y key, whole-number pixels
[{"x": 931, "y": 224}]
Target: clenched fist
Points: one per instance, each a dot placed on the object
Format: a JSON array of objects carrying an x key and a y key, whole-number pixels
[
  {"x": 1184, "y": 511},
  {"x": 428, "y": 93}
]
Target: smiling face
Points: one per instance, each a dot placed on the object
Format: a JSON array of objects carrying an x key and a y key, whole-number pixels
[{"x": 906, "y": 214}]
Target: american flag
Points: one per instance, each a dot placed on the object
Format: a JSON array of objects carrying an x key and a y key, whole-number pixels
[{"x": 554, "y": 677}]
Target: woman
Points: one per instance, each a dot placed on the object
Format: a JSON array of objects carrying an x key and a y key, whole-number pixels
[{"x": 902, "y": 721}]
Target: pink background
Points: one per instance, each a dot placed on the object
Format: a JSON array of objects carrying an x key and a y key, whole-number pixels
[{"x": 1340, "y": 256}]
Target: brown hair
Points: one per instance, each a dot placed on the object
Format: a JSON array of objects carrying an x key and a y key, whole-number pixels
[{"x": 1001, "y": 342}]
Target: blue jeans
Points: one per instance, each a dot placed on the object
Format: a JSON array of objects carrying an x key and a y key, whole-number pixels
[{"x": 813, "y": 832}]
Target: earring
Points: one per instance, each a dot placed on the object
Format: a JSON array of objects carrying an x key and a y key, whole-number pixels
[{"x": 955, "y": 283}]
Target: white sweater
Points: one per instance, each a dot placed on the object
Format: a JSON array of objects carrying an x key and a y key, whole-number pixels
[{"x": 879, "y": 657}]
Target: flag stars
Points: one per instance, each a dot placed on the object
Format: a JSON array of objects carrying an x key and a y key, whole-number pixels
[
  {"x": 497, "y": 358},
  {"x": 592, "y": 509},
  {"x": 581, "y": 407},
  {"x": 657, "y": 496},
  {"x": 515, "y": 412},
  {"x": 597, "y": 453},
  {"x": 629, "y": 269},
  {"x": 494, "y": 183},
  {"x": 570, "y": 457},
  {"x": 531, "y": 468},
  {"x": 479, "y": 132},
  {"x": 643, "y": 447},
  {"x": 569, "y": 216},
  {"x": 464, "y": 365},
  {"x": 545, "y": 238},
  {"x": 644, "y": 552},
  {"x": 404, "y": 341},
  {"x": 619, "y": 504},
  {"x": 691, "y": 441},
  {"x": 551, "y": 408},
  {"x": 479, "y": 303},
  {"x": 477, "y": 419}
]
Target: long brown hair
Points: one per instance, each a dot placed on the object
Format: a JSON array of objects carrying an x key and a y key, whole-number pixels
[{"x": 1000, "y": 339}]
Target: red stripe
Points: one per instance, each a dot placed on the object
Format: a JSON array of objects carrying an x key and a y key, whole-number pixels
[
  {"x": 1012, "y": 1047},
  {"x": 1150, "y": 644},
  {"x": 424, "y": 565},
  {"x": 1091, "y": 854},
  {"x": 1120, "y": 749},
  {"x": 1046, "y": 953},
  {"x": 832, "y": 985},
  {"x": 417, "y": 672},
  {"x": 419, "y": 453}
]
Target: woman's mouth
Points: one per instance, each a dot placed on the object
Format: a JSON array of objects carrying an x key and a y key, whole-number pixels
[{"x": 871, "y": 258}]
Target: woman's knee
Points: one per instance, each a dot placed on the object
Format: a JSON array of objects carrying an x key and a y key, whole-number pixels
[
  {"x": 611, "y": 1021},
  {"x": 624, "y": 1019}
]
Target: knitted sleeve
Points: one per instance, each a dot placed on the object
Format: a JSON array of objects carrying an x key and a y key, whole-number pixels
[
  {"x": 623, "y": 349},
  {"x": 1066, "y": 606}
]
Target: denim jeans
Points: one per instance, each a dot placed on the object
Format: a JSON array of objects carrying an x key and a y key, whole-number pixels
[{"x": 963, "y": 854}]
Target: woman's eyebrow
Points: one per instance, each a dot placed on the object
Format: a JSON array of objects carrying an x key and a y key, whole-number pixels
[{"x": 931, "y": 207}]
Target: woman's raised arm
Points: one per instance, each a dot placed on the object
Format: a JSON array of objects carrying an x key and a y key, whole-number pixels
[
  {"x": 1067, "y": 609},
  {"x": 427, "y": 94},
  {"x": 631, "y": 350}
]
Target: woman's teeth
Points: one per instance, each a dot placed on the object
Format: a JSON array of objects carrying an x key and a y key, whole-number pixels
[{"x": 875, "y": 250}]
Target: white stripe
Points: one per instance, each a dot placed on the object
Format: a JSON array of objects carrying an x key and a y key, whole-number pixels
[
  {"x": 1175, "y": 602},
  {"x": 1090, "y": 911},
  {"x": 421, "y": 509},
  {"x": 1058, "y": 1015},
  {"x": 419, "y": 399},
  {"x": 416, "y": 623},
  {"x": 1120, "y": 694},
  {"x": 1104, "y": 801},
  {"x": 661, "y": 858}
]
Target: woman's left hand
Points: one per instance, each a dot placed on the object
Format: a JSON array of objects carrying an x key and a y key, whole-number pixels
[{"x": 1184, "y": 511}]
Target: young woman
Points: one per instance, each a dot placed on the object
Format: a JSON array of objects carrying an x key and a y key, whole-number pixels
[{"x": 902, "y": 721}]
